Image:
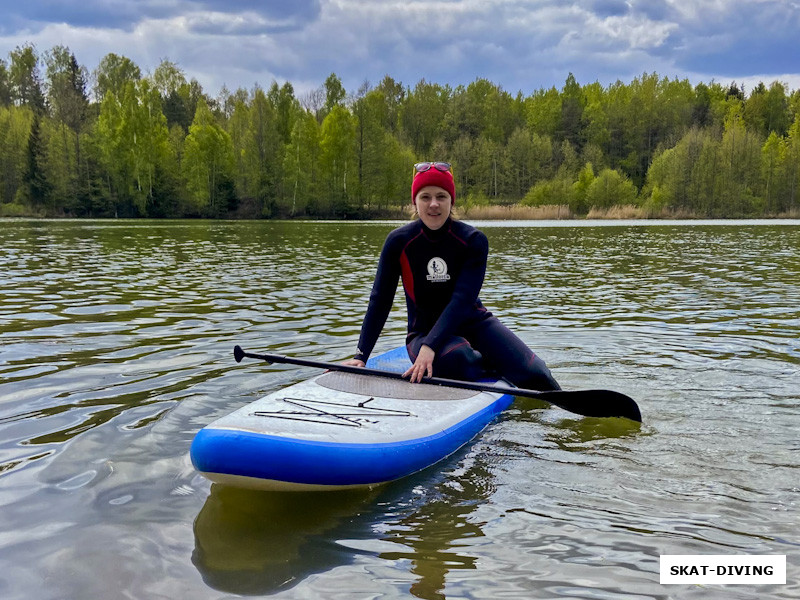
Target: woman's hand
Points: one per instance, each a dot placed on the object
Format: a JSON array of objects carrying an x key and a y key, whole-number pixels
[
  {"x": 423, "y": 366},
  {"x": 353, "y": 362}
]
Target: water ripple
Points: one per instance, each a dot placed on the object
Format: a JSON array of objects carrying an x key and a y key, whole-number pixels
[{"x": 115, "y": 348}]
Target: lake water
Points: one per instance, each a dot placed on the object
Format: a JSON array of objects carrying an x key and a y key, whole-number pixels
[{"x": 116, "y": 345}]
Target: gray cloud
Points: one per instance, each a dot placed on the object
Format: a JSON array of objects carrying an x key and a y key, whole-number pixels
[
  {"x": 519, "y": 44},
  {"x": 740, "y": 39},
  {"x": 610, "y": 8},
  {"x": 126, "y": 14}
]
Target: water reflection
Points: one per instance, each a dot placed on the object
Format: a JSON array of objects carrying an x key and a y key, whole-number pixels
[
  {"x": 438, "y": 528},
  {"x": 574, "y": 434},
  {"x": 250, "y": 542}
]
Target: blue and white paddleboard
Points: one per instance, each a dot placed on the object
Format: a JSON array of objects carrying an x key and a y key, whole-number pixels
[{"x": 338, "y": 431}]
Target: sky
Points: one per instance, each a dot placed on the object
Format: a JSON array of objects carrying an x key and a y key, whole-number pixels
[{"x": 521, "y": 45}]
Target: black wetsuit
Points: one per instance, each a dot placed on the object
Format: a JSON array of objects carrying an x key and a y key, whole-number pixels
[{"x": 442, "y": 272}]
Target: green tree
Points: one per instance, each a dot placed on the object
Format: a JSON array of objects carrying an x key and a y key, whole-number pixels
[
  {"x": 393, "y": 95},
  {"x": 580, "y": 204},
  {"x": 773, "y": 157},
  {"x": 722, "y": 100},
  {"x": 462, "y": 156},
  {"x": 5, "y": 85},
  {"x": 69, "y": 105},
  {"x": 592, "y": 153},
  {"x": 483, "y": 176},
  {"x": 25, "y": 79},
  {"x": 685, "y": 177},
  {"x": 520, "y": 159},
  {"x": 59, "y": 164},
  {"x": 767, "y": 111},
  {"x": 792, "y": 172},
  {"x": 544, "y": 164},
  {"x": 335, "y": 94},
  {"x": 238, "y": 125},
  {"x": 572, "y": 105},
  {"x": 15, "y": 129},
  {"x": 551, "y": 192},
  {"x": 617, "y": 107},
  {"x": 777, "y": 109},
  {"x": 663, "y": 180},
  {"x": 208, "y": 163},
  {"x": 259, "y": 149},
  {"x": 594, "y": 118},
  {"x": 150, "y": 143},
  {"x": 567, "y": 159},
  {"x": 396, "y": 175},
  {"x": 301, "y": 166},
  {"x": 35, "y": 188},
  {"x": 66, "y": 88},
  {"x": 383, "y": 162},
  {"x": 643, "y": 125},
  {"x": 134, "y": 144},
  {"x": 481, "y": 109},
  {"x": 168, "y": 78},
  {"x": 337, "y": 159},
  {"x": 112, "y": 138},
  {"x": 610, "y": 188},
  {"x": 287, "y": 109},
  {"x": 739, "y": 169},
  {"x": 543, "y": 112},
  {"x": 368, "y": 109},
  {"x": 701, "y": 108},
  {"x": 170, "y": 82},
  {"x": 113, "y": 73},
  {"x": 701, "y": 168},
  {"x": 422, "y": 114}
]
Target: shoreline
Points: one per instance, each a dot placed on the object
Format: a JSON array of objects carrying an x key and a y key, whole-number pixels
[{"x": 499, "y": 213}]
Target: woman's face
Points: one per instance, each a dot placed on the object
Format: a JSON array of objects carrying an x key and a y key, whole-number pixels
[{"x": 433, "y": 205}]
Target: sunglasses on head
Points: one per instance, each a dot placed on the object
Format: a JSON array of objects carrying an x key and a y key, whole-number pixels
[{"x": 426, "y": 166}]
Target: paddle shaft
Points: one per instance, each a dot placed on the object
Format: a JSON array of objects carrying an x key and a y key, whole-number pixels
[{"x": 593, "y": 403}]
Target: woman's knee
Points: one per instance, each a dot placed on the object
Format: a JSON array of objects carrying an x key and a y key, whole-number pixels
[
  {"x": 459, "y": 361},
  {"x": 539, "y": 376}
]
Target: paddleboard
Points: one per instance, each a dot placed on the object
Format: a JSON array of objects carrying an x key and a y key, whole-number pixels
[{"x": 340, "y": 430}]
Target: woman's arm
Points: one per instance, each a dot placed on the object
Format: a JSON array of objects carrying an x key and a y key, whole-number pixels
[{"x": 380, "y": 299}]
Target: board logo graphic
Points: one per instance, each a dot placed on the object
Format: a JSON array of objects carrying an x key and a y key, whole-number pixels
[{"x": 437, "y": 270}]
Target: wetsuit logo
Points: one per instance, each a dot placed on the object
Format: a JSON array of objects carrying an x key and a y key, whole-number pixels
[{"x": 437, "y": 270}]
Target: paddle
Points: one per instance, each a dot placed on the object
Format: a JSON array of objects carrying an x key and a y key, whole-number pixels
[{"x": 590, "y": 403}]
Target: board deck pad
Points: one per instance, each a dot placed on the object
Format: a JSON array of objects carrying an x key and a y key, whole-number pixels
[{"x": 391, "y": 388}]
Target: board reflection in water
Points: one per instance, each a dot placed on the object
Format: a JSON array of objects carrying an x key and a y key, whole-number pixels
[{"x": 251, "y": 542}]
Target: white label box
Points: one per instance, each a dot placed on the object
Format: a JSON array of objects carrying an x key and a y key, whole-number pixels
[{"x": 751, "y": 569}]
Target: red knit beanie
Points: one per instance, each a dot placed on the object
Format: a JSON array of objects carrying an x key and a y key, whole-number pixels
[{"x": 433, "y": 176}]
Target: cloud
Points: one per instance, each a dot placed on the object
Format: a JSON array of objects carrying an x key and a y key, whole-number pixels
[
  {"x": 128, "y": 14},
  {"x": 519, "y": 44},
  {"x": 609, "y": 8},
  {"x": 739, "y": 38}
]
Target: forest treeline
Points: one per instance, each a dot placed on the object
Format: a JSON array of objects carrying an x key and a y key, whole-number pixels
[{"x": 118, "y": 142}]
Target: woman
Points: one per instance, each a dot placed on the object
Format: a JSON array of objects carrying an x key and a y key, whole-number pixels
[{"x": 442, "y": 263}]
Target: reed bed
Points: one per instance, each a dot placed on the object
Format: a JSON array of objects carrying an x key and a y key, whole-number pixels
[
  {"x": 518, "y": 212},
  {"x": 621, "y": 212}
]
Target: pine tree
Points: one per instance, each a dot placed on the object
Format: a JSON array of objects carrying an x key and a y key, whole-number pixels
[{"x": 35, "y": 186}]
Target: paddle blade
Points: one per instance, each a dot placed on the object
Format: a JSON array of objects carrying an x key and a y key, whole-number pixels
[
  {"x": 595, "y": 403},
  {"x": 238, "y": 353}
]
